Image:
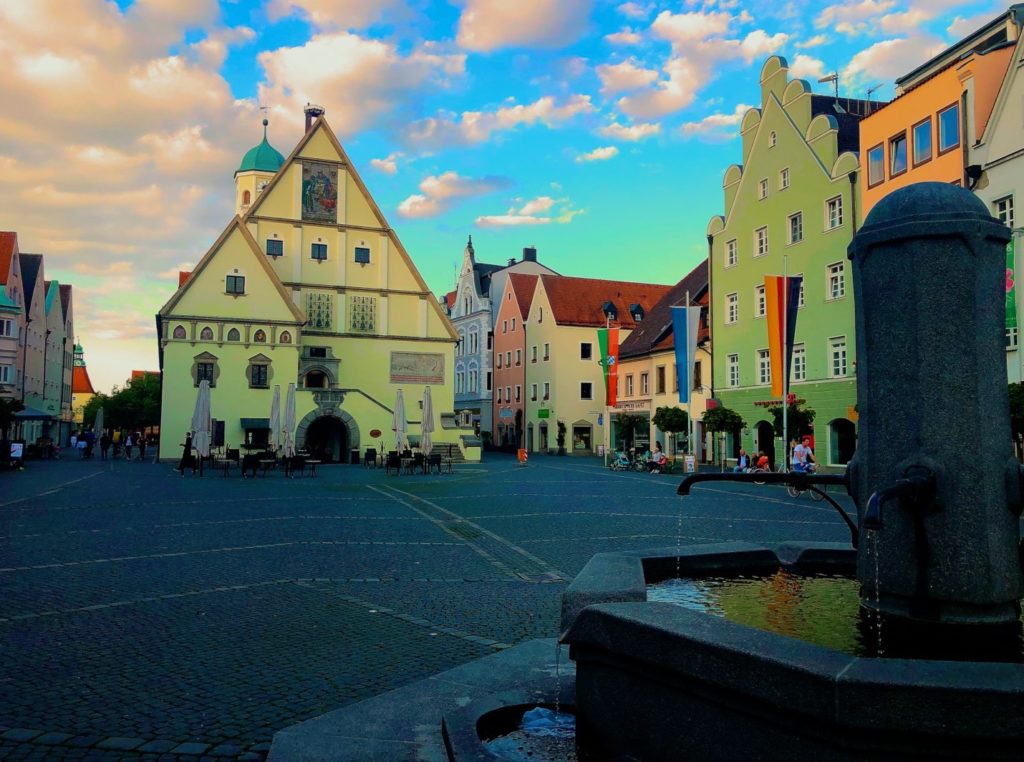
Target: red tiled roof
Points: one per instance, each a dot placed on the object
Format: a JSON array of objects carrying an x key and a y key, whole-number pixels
[
  {"x": 80, "y": 383},
  {"x": 577, "y": 301},
  {"x": 655, "y": 332},
  {"x": 8, "y": 247},
  {"x": 144, "y": 373},
  {"x": 524, "y": 287},
  {"x": 183, "y": 276},
  {"x": 449, "y": 299}
]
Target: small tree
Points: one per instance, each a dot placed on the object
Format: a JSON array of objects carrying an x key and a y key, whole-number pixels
[
  {"x": 8, "y": 407},
  {"x": 722, "y": 418},
  {"x": 671, "y": 420},
  {"x": 560, "y": 438},
  {"x": 800, "y": 421},
  {"x": 1017, "y": 410}
]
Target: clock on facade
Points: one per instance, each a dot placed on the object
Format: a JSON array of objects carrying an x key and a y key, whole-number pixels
[{"x": 261, "y": 185}]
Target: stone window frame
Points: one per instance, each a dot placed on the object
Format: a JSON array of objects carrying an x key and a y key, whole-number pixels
[
  {"x": 732, "y": 364},
  {"x": 180, "y": 333},
  {"x": 234, "y": 284},
  {"x": 836, "y": 281},
  {"x": 206, "y": 333},
  {"x": 259, "y": 360},
  {"x": 237, "y": 334},
  {"x": 731, "y": 253},
  {"x": 784, "y": 178},
  {"x": 838, "y": 357},
  {"x": 760, "y": 301},
  {"x": 1002, "y": 209},
  {"x": 629, "y": 385},
  {"x": 205, "y": 358},
  {"x": 761, "y": 241},
  {"x": 762, "y": 189},
  {"x": 764, "y": 366},
  {"x": 277, "y": 250},
  {"x": 867, "y": 161},
  {"x": 799, "y": 363},
  {"x": 732, "y": 308},
  {"x": 795, "y": 228},
  {"x": 839, "y": 216},
  {"x": 586, "y": 390}
]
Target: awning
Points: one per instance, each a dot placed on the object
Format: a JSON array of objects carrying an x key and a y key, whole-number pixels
[
  {"x": 32, "y": 414},
  {"x": 248, "y": 424}
]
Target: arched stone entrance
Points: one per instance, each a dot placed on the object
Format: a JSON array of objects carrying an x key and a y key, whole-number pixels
[
  {"x": 328, "y": 434},
  {"x": 765, "y": 440}
]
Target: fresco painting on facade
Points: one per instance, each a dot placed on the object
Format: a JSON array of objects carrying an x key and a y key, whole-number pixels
[
  {"x": 319, "y": 192},
  {"x": 417, "y": 368}
]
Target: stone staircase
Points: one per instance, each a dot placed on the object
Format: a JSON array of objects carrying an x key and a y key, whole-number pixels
[{"x": 452, "y": 451}]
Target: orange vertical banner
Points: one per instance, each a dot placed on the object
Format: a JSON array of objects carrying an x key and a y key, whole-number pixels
[{"x": 775, "y": 309}]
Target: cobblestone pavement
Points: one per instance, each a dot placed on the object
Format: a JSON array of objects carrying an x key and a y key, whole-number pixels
[{"x": 145, "y": 616}]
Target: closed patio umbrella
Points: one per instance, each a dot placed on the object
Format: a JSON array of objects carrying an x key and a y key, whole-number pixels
[
  {"x": 427, "y": 426},
  {"x": 274, "y": 442},
  {"x": 202, "y": 425},
  {"x": 398, "y": 423},
  {"x": 288, "y": 425},
  {"x": 97, "y": 425}
]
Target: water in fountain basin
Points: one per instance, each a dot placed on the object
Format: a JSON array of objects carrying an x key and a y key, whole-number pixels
[
  {"x": 825, "y": 610},
  {"x": 543, "y": 735}
]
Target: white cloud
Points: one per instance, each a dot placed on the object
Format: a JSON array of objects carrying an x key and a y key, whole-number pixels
[
  {"x": 489, "y": 25},
  {"x": 805, "y": 67},
  {"x": 759, "y": 44},
  {"x": 539, "y": 211},
  {"x": 853, "y": 16},
  {"x": 630, "y": 132},
  {"x": 388, "y": 165},
  {"x": 617, "y": 78},
  {"x": 717, "y": 126},
  {"x": 625, "y": 36},
  {"x": 890, "y": 59},
  {"x": 358, "y": 80},
  {"x": 961, "y": 27},
  {"x": 682, "y": 29},
  {"x": 814, "y": 42},
  {"x": 669, "y": 95},
  {"x": 213, "y": 49},
  {"x": 598, "y": 154},
  {"x": 473, "y": 127},
  {"x": 634, "y": 10},
  {"x": 335, "y": 14},
  {"x": 440, "y": 192}
]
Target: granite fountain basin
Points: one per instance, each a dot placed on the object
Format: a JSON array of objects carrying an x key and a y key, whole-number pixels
[{"x": 655, "y": 681}]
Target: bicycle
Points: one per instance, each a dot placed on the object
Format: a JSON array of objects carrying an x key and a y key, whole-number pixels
[{"x": 816, "y": 495}]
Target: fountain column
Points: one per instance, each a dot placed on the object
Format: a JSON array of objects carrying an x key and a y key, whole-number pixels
[{"x": 935, "y": 445}]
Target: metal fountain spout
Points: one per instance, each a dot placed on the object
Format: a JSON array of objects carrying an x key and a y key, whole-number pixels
[{"x": 917, "y": 490}]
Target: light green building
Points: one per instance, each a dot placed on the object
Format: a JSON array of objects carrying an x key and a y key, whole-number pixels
[{"x": 790, "y": 208}]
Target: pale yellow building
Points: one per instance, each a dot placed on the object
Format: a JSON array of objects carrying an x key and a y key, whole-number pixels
[
  {"x": 566, "y": 382},
  {"x": 649, "y": 376},
  {"x": 308, "y": 284}
]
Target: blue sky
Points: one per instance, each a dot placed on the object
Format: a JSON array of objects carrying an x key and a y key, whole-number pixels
[{"x": 596, "y": 130}]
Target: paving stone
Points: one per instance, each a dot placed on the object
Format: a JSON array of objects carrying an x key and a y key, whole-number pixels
[
  {"x": 190, "y": 748},
  {"x": 225, "y": 750},
  {"x": 158, "y": 746},
  {"x": 121, "y": 744},
  {"x": 20, "y": 734},
  {"x": 52, "y": 739}
]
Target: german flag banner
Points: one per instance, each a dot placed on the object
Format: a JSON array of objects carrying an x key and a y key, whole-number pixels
[
  {"x": 608, "y": 341},
  {"x": 686, "y": 328},
  {"x": 782, "y": 297}
]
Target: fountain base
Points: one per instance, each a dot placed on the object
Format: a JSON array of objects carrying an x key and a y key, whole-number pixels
[{"x": 657, "y": 681}]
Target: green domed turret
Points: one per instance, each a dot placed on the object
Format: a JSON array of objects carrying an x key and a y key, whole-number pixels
[{"x": 262, "y": 158}]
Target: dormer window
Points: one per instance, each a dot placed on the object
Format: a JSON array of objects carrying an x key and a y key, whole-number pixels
[
  {"x": 637, "y": 311},
  {"x": 609, "y": 310}
]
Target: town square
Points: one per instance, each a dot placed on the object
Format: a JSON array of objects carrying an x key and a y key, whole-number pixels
[{"x": 464, "y": 379}]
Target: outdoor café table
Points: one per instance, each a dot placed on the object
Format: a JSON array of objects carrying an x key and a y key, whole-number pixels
[
  {"x": 448, "y": 466},
  {"x": 267, "y": 464},
  {"x": 406, "y": 466},
  {"x": 312, "y": 466}
]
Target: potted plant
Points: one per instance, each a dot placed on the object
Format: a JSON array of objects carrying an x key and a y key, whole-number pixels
[{"x": 560, "y": 438}]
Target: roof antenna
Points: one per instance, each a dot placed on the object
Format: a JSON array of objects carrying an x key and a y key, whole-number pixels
[{"x": 834, "y": 79}]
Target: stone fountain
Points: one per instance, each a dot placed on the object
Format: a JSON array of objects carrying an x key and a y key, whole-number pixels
[{"x": 935, "y": 546}]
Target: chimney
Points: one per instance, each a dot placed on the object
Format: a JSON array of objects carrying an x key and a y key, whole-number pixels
[
  {"x": 512, "y": 261},
  {"x": 530, "y": 254},
  {"x": 312, "y": 111}
]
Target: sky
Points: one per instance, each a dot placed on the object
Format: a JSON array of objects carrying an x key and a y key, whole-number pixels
[{"x": 596, "y": 130}]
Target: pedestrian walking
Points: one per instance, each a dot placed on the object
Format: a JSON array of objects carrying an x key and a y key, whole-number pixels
[
  {"x": 142, "y": 447},
  {"x": 186, "y": 456},
  {"x": 129, "y": 444},
  {"x": 90, "y": 443},
  {"x": 104, "y": 445}
]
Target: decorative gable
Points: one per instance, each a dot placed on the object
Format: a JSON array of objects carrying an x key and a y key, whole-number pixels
[{"x": 214, "y": 288}]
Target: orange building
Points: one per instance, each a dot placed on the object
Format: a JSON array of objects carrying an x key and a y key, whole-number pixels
[
  {"x": 939, "y": 113},
  {"x": 510, "y": 359}
]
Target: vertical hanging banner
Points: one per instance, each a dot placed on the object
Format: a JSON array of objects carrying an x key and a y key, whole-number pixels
[
  {"x": 782, "y": 297},
  {"x": 685, "y": 327},
  {"x": 1011, "y": 288},
  {"x": 608, "y": 341}
]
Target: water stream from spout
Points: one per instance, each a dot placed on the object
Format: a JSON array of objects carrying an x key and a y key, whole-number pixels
[{"x": 878, "y": 593}]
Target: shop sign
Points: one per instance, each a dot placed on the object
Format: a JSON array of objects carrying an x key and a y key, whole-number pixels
[{"x": 543, "y": 413}]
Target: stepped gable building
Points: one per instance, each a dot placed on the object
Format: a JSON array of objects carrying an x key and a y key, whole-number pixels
[
  {"x": 566, "y": 384},
  {"x": 648, "y": 375},
  {"x": 791, "y": 208},
  {"x": 11, "y": 317},
  {"x": 473, "y": 313},
  {"x": 510, "y": 358},
  {"x": 308, "y": 284}
]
